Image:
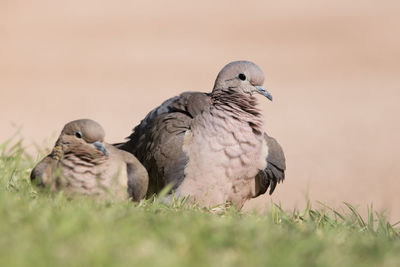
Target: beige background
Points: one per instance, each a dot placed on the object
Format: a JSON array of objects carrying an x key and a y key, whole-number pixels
[{"x": 332, "y": 67}]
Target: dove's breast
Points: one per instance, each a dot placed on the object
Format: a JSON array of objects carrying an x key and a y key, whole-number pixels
[
  {"x": 107, "y": 177},
  {"x": 224, "y": 157}
]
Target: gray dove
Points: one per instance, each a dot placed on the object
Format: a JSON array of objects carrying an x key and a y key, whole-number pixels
[
  {"x": 82, "y": 163},
  {"x": 211, "y": 147}
]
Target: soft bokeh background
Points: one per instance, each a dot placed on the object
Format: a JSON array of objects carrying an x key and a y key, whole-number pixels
[{"x": 333, "y": 68}]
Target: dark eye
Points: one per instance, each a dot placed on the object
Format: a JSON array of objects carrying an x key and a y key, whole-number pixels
[
  {"x": 242, "y": 76},
  {"x": 78, "y": 134}
]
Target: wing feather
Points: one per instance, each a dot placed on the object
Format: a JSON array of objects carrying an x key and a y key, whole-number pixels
[
  {"x": 157, "y": 141},
  {"x": 274, "y": 173}
]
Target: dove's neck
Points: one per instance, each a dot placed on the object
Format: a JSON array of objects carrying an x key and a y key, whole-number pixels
[
  {"x": 89, "y": 156},
  {"x": 241, "y": 107}
]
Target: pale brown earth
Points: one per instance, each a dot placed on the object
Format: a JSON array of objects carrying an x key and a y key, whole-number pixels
[{"x": 332, "y": 66}]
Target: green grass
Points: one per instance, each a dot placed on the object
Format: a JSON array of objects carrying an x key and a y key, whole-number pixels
[{"x": 42, "y": 229}]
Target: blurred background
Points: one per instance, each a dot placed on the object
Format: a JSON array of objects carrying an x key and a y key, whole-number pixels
[{"x": 333, "y": 68}]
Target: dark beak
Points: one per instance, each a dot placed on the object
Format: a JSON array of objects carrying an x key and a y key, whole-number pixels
[
  {"x": 99, "y": 146},
  {"x": 261, "y": 90}
]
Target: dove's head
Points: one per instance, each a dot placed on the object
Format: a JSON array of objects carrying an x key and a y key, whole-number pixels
[
  {"x": 242, "y": 76},
  {"x": 83, "y": 138}
]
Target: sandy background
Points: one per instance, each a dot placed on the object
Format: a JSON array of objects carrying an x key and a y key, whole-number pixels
[{"x": 332, "y": 66}]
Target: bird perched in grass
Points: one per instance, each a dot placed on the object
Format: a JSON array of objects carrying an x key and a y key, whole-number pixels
[
  {"x": 211, "y": 147},
  {"x": 82, "y": 163}
]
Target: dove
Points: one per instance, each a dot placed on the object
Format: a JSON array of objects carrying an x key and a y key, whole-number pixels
[
  {"x": 211, "y": 147},
  {"x": 82, "y": 163}
]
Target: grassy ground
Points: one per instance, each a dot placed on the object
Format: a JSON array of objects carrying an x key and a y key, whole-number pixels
[{"x": 49, "y": 230}]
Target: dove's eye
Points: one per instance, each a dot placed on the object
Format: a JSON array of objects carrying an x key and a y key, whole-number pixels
[
  {"x": 242, "y": 76},
  {"x": 78, "y": 134}
]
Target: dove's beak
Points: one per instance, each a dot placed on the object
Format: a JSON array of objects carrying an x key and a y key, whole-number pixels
[
  {"x": 99, "y": 146},
  {"x": 261, "y": 90}
]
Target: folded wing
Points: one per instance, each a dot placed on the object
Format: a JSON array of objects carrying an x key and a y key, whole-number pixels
[{"x": 274, "y": 173}]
